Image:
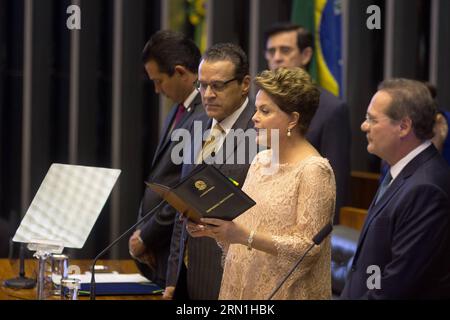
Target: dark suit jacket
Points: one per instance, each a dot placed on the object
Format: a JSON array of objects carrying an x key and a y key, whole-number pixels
[
  {"x": 204, "y": 272},
  {"x": 156, "y": 232},
  {"x": 330, "y": 133},
  {"x": 407, "y": 235}
]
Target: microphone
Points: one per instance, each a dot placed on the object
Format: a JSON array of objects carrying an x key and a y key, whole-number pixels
[
  {"x": 322, "y": 234},
  {"x": 317, "y": 239},
  {"x": 92, "y": 293},
  {"x": 21, "y": 282}
]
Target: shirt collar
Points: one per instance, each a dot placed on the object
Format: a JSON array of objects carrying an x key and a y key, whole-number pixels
[
  {"x": 229, "y": 121},
  {"x": 189, "y": 99},
  {"x": 398, "y": 167}
]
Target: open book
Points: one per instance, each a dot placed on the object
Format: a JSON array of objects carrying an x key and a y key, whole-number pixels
[{"x": 205, "y": 193}]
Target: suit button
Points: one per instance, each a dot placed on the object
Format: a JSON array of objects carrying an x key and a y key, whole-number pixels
[{"x": 353, "y": 269}]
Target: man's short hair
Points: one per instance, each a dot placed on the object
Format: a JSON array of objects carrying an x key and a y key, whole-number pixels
[
  {"x": 411, "y": 99},
  {"x": 305, "y": 38},
  {"x": 169, "y": 49},
  {"x": 229, "y": 52}
]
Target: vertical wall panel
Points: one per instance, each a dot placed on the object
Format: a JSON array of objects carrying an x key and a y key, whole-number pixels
[
  {"x": 263, "y": 13},
  {"x": 269, "y": 13},
  {"x": 3, "y": 67},
  {"x": 229, "y": 22},
  {"x": 38, "y": 55},
  {"x": 440, "y": 51},
  {"x": 11, "y": 108},
  {"x": 407, "y": 39},
  {"x": 116, "y": 121},
  {"x": 89, "y": 115},
  {"x": 364, "y": 72},
  {"x": 61, "y": 74},
  {"x": 74, "y": 78},
  {"x": 128, "y": 107},
  {"x": 26, "y": 107}
]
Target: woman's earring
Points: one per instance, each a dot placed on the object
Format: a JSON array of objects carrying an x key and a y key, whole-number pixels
[{"x": 289, "y": 133}]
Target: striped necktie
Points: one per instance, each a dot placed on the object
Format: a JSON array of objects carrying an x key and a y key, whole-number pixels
[{"x": 209, "y": 148}]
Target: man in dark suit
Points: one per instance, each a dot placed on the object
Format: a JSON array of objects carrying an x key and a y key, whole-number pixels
[
  {"x": 194, "y": 267},
  {"x": 403, "y": 250},
  {"x": 289, "y": 45},
  {"x": 171, "y": 61}
]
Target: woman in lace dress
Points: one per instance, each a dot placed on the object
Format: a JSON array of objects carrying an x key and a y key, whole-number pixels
[{"x": 292, "y": 203}]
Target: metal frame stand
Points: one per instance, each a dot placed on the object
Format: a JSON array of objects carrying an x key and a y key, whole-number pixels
[{"x": 43, "y": 251}]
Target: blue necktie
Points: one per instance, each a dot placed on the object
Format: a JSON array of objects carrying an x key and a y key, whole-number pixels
[{"x": 384, "y": 185}]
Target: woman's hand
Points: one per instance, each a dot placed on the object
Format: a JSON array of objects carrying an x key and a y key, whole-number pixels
[
  {"x": 229, "y": 232},
  {"x": 196, "y": 230},
  {"x": 220, "y": 230}
]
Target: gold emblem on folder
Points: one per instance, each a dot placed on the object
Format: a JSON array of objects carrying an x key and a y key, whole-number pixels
[{"x": 200, "y": 185}]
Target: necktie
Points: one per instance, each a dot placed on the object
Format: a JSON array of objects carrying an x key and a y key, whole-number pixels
[
  {"x": 384, "y": 185},
  {"x": 207, "y": 150},
  {"x": 179, "y": 115},
  {"x": 211, "y": 143}
]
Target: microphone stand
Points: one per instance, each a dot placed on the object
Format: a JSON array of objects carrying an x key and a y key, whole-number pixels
[
  {"x": 318, "y": 238},
  {"x": 92, "y": 293},
  {"x": 21, "y": 282},
  {"x": 290, "y": 272}
]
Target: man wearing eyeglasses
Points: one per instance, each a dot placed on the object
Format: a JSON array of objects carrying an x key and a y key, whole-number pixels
[
  {"x": 194, "y": 266},
  {"x": 171, "y": 62},
  {"x": 289, "y": 45},
  {"x": 403, "y": 249}
]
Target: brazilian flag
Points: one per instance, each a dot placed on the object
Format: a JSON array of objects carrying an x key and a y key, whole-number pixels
[{"x": 324, "y": 19}]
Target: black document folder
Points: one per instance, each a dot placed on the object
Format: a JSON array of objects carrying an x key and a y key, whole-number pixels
[{"x": 205, "y": 193}]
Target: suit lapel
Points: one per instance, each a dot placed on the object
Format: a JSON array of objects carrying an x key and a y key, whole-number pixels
[
  {"x": 165, "y": 138},
  {"x": 375, "y": 209},
  {"x": 196, "y": 148},
  {"x": 397, "y": 183},
  {"x": 241, "y": 123},
  {"x": 165, "y": 130},
  {"x": 190, "y": 110}
]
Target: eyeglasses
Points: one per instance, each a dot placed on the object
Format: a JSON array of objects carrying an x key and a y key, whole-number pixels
[
  {"x": 371, "y": 121},
  {"x": 215, "y": 86},
  {"x": 284, "y": 50}
]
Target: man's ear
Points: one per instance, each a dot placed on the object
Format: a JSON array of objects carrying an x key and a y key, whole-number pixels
[
  {"x": 405, "y": 127},
  {"x": 246, "y": 85},
  {"x": 180, "y": 70},
  {"x": 306, "y": 56}
]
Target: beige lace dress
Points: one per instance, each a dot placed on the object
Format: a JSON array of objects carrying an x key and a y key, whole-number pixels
[{"x": 292, "y": 206}]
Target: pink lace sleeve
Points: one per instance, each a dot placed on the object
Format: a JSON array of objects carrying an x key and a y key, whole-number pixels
[{"x": 315, "y": 208}]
